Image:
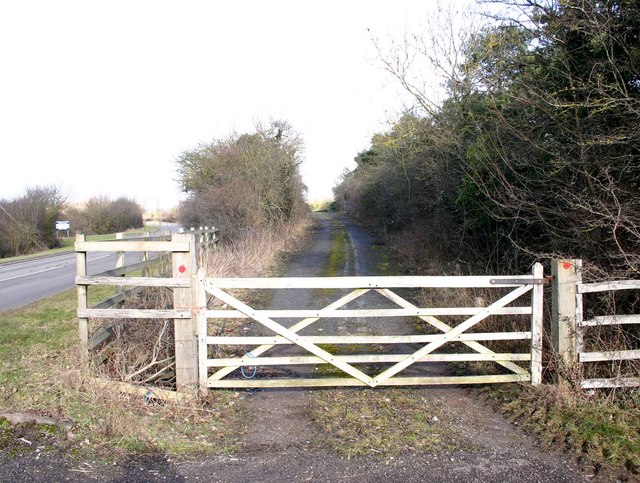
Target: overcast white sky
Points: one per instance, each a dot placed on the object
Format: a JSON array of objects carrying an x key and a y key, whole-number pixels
[{"x": 101, "y": 97}]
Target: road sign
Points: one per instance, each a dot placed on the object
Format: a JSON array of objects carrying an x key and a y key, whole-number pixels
[{"x": 63, "y": 225}]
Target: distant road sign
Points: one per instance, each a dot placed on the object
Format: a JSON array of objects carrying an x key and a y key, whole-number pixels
[{"x": 62, "y": 225}]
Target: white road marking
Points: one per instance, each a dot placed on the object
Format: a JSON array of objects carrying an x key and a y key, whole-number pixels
[
  {"x": 98, "y": 258},
  {"x": 32, "y": 273},
  {"x": 48, "y": 269}
]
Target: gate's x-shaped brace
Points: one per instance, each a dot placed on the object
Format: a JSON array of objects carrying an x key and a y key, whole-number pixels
[{"x": 291, "y": 333}]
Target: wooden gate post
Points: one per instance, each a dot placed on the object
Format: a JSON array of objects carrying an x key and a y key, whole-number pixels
[
  {"x": 563, "y": 303},
  {"x": 83, "y": 322},
  {"x": 120, "y": 257},
  {"x": 145, "y": 257},
  {"x": 185, "y": 330},
  {"x": 537, "y": 297}
]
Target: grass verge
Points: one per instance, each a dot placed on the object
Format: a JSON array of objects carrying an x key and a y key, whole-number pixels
[
  {"x": 597, "y": 430},
  {"x": 40, "y": 374}
]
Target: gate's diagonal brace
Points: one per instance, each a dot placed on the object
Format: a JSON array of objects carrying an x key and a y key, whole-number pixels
[
  {"x": 292, "y": 336},
  {"x": 444, "y": 338},
  {"x": 225, "y": 371},
  {"x": 438, "y": 324}
]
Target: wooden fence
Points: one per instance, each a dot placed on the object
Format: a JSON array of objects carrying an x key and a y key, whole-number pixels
[
  {"x": 570, "y": 328},
  {"x": 421, "y": 346},
  {"x": 197, "y": 364},
  {"x": 181, "y": 250}
]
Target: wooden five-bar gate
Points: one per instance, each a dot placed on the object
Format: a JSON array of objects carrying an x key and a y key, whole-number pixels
[{"x": 389, "y": 367}]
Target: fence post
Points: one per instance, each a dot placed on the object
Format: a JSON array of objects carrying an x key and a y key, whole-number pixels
[
  {"x": 119, "y": 264},
  {"x": 537, "y": 297},
  {"x": 145, "y": 258},
  {"x": 563, "y": 303},
  {"x": 83, "y": 323},
  {"x": 185, "y": 330}
]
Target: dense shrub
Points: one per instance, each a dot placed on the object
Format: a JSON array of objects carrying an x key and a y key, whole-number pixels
[{"x": 243, "y": 181}]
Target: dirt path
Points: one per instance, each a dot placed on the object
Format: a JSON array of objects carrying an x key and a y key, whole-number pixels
[{"x": 283, "y": 439}]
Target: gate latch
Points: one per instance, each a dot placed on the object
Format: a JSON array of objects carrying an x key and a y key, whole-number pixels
[{"x": 520, "y": 281}]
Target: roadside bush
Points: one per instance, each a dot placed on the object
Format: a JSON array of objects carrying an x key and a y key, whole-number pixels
[
  {"x": 101, "y": 215},
  {"x": 27, "y": 223}
]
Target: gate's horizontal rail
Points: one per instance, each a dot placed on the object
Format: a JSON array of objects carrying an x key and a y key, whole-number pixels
[
  {"x": 363, "y": 359},
  {"x": 134, "y": 281},
  {"x": 343, "y": 381},
  {"x": 611, "y": 320},
  {"x": 369, "y": 282},
  {"x": 132, "y": 246},
  {"x": 366, "y": 339},
  {"x": 623, "y": 355},
  {"x": 348, "y": 313},
  {"x": 607, "y": 286},
  {"x": 134, "y": 313}
]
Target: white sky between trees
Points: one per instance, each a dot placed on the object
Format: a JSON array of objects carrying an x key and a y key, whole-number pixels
[{"x": 101, "y": 97}]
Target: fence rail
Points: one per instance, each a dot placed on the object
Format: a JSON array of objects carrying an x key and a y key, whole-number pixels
[
  {"x": 191, "y": 316},
  {"x": 177, "y": 249}
]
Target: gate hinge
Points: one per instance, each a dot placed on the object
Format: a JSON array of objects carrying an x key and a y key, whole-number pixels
[{"x": 521, "y": 281}]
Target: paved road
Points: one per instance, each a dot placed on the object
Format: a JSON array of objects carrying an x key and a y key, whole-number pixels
[{"x": 26, "y": 281}]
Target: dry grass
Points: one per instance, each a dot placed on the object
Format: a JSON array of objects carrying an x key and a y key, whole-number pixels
[{"x": 257, "y": 252}]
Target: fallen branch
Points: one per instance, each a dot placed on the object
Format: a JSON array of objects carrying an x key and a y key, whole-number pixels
[
  {"x": 156, "y": 393},
  {"x": 30, "y": 418}
]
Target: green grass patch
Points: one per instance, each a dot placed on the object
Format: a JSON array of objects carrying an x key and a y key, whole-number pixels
[
  {"x": 67, "y": 246},
  {"x": 45, "y": 325},
  {"x": 337, "y": 258},
  {"x": 593, "y": 427},
  {"x": 383, "y": 422},
  {"x": 384, "y": 265}
]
